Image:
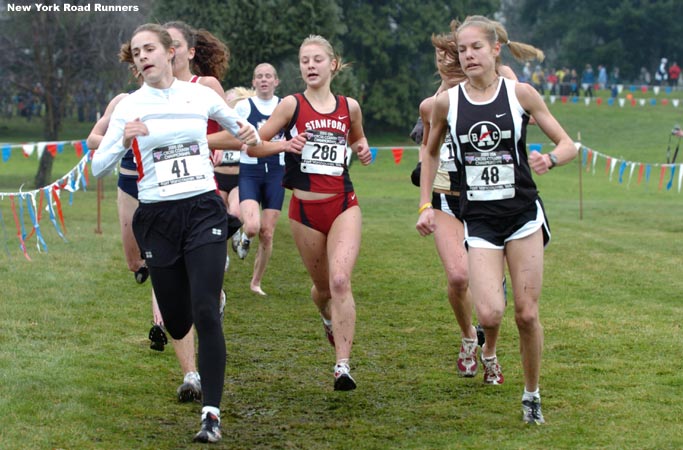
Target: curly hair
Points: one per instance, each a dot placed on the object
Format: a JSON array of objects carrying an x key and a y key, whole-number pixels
[{"x": 211, "y": 57}]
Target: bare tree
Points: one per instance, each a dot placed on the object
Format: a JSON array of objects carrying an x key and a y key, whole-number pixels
[{"x": 55, "y": 55}]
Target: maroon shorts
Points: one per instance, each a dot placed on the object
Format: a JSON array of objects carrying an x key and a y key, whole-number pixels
[{"x": 320, "y": 214}]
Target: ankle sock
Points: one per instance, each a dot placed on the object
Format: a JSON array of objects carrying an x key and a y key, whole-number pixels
[
  {"x": 213, "y": 410},
  {"x": 530, "y": 396}
]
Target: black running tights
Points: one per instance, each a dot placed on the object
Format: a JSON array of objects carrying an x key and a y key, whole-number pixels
[{"x": 189, "y": 292}]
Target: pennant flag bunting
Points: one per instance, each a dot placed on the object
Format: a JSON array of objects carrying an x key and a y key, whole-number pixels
[
  {"x": 671, "y": 180},
  {"x": 589, "y": 157},
  {"x": 661, "y": 177},
  {"x": 398, "y": 154},
  {"x": 373, "y": 152},
  {"x": 27, "y": 215}
]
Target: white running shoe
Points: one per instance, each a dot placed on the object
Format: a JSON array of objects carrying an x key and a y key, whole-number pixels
[
  {"x": 221, "y": 308},
  {"x": 191, "y": 389},
  {"x": 235, "y": 242},
  {"x": 342, "y": 378},
  {"x": 211, "y": 429},
  {"x": 467, "y": 358},
  {"x": 531, "y": 411},
  {"x": 243, "y": 247}
]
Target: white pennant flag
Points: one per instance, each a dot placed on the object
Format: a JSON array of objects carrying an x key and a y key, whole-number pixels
[
  {"x": 630, "y": 175},
  {"x": 675, "y": 102},
  {"x": 28, "y": 149},
  {"x": 41, "y": 148},
  {"x": 613, "y": 164},
  {"x": 621, "y": 102},
  {"x": 655, "y": 89},
  {"x": 642, "y": 102}
]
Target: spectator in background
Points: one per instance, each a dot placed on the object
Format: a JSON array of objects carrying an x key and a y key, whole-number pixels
[
  {"x": 615, "y": 77},
  {"x": 538, "y": 80},
  {"x": 645, "y": 77},
  {"x": 587, "y": 80},
  {"x": 674, "y": 74},
  {"x": 661, "y": 75},
  {"x": 574, "y": 83},
  {"x": 565, "y": 81},
  {"x": 526, "y": 73},
  {"x": 602, "y": 76},
  {"x": 552, "y": 80}
]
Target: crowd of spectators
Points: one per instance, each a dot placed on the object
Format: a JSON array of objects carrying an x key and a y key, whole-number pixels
[{"x": 565, "y": 81}]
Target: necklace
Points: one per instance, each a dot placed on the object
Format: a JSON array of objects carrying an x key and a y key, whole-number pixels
[{"x": 495, "y": 80}]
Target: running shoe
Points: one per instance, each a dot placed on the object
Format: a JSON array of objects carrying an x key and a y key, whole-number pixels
[
  {"x": 342, "y": 378},
  {"x": 235, "y": 242},
  {"x": 328, "y": 331},
  {"x": 467, "y": 358},
  {"x": 243, "y": 247},
  {"x": 158, "y": 338},
  {"x": 531, "y": 411},
  {"x": 141, "y": 274},
  {"x": 505, "y": 289},
  {"x": 221, "y": 308},
  {"x": 493, "y": 374},
  {"x": 210, "y": 431},
  {"x": 191, "y": 389},
  {"x": 481, "y": 337}
]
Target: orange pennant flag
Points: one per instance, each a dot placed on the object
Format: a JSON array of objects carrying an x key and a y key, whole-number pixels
[
  {"x": 661, "y": 177},
  {"x": 52, "y": 149},
  {"x": 641, "y": 170},
  {"x": 78, "y": 145},
  {"x": 398, "y": 154}
]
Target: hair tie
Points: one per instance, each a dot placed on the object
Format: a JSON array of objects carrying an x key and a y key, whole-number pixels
[{"x": 507, "y": 43}]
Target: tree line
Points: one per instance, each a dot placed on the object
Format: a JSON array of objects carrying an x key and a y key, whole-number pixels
[{"x": 386, "y": 42}]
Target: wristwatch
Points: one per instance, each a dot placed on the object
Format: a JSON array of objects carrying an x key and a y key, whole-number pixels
[{"x": 553, "y": 160}]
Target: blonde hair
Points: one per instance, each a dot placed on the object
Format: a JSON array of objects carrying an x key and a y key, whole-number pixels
[
  {"x": 446, "y": 43},
  {"x": 496, "y": 32},
  {"x": 315, "y": 39},
  {"x": 234, "y": 95}
]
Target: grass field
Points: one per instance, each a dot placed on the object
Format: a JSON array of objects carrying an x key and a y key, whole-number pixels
[{"x": 76, "y": 371}]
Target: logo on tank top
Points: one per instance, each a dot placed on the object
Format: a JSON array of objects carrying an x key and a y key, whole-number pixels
[
  {"x": 485, "y": 136},
  {"x": 325, "y": 123}
]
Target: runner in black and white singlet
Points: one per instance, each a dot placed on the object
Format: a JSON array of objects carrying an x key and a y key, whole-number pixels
[
  {"x": 504, "y": 218},
  {"x": 324, "y": 214},
  {"x": 449, "y": 231},
  {"x": 181, "y": 223},
  {"x": 260, "y": 182}
]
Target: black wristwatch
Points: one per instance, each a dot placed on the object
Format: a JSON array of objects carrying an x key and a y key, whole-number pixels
[{"x": 553, "y": 160}]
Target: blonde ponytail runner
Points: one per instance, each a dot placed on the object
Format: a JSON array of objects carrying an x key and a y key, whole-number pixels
[
  {"x": 520, "y": 51},
  {"x": 525, "y": 52}
]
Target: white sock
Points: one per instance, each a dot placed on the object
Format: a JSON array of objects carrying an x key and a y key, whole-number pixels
[
  {"x": 343, "y": 361},
  {"x": 213, "y": 410},
  {"x": 325, "y": 321},
  {"x": 531, "y": 395}
]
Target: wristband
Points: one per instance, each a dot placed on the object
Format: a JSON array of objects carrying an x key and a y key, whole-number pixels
[{"x": 423, "y": 207}]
